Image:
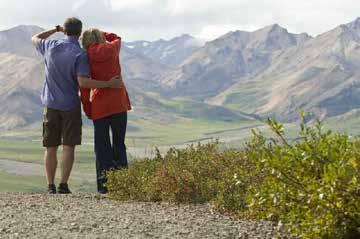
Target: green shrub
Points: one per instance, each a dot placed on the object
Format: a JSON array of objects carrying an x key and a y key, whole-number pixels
[
  {"x": 311, "y": 186},
  {"x": 192, "y": 175},
  {"x": 133, "y": 183}
]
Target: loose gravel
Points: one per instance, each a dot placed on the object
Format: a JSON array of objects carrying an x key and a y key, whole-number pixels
[{"x": 93, "y": 216}]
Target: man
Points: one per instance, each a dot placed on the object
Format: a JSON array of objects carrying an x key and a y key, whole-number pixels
[{"x": 66, "y": 68}]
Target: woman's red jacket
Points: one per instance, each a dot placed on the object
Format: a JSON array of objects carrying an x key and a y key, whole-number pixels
[{"x": 104, "y": 64}]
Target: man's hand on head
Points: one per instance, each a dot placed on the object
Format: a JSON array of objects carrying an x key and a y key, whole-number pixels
[{"x": 61, "y": 29}]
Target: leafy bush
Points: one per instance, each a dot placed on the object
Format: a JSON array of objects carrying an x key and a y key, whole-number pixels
[
  {"x": 193, "y": 175},
  {"x": 311, "y": 186},
  {"x": 133, "y": 183},
  {"x": 187, "y": 175}
]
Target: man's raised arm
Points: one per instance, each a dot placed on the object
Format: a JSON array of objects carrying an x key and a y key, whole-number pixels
[{"x": 44, "y": 35}]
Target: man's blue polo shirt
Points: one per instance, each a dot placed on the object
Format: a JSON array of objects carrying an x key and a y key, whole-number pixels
[{"x": 64, "y": 61}]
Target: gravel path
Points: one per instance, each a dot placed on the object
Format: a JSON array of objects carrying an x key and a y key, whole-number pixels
[{"x": 92, "y": 216}]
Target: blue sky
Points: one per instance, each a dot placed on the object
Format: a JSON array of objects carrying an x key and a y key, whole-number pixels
[{"x": 207, "y": 19}]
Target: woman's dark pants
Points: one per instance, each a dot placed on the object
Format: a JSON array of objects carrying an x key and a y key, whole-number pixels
[{"x": 110, "y": 155}]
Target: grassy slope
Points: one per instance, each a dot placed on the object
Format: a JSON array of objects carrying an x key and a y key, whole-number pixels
[
  {"x": 19, "y": 183},
  {"x": 30, "y": 151},
  {"x": 171, "y": 122},
  {"x": 244, "y": 96},
  {"x": 23, "y": 183},
  {"x": 154, "y": 128}
]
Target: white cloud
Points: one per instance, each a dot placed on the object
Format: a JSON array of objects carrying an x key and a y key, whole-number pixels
[
  {"x": 119, "y": 4},
  {"x": 77, "y": 5},
  {"x": 213, "y": 31},
  {"x": 152, "y": 19}
]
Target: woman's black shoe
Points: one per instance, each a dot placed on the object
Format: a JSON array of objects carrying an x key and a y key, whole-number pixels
[
  {"x": 103, "y": 191},
  {"x": 51, "y": 189},
  {"x": 63, "y": 188}
]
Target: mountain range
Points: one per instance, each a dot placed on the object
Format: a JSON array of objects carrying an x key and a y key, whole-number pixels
[{"x": 240, "y": 75}]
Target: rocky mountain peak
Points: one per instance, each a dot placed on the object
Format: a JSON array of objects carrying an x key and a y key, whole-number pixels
[
  {"x": 235, "y": 39},
  {"x": 184, "y": 37},
  {"x": 22, "y": 30},
  {"x": 168, "y": 52},
  {"x": 354, "y": 25},
  {"x": 274, "y": 29},
  {"x": 17, "y": 41},
  {"x": 235, "y": 34},
  {"x": 346, "y": 32},
  {"x": 273, "y": 37},
  {"x": 357, "y": 22}
]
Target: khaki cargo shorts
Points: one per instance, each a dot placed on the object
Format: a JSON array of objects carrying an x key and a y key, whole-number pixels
[{"x": 62, "y": 127}]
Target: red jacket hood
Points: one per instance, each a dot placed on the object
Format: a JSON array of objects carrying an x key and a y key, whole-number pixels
[{"x": 100, "y": 52}]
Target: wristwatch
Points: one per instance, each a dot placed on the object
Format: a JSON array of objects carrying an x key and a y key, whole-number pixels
[{"x": 58, "y": 27}]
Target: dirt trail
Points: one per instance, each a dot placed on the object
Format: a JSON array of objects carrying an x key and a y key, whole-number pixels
[{"x": 89, "y": 216}]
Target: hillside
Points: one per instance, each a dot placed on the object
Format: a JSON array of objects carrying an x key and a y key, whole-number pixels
[
  {"x": 321, "y": 76},
  {"x": 228, "y": 59}
]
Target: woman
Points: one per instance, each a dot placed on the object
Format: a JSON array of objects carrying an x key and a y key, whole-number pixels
[{"x": 106, "y": 107}]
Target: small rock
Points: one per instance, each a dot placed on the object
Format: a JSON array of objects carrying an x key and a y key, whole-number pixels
[{"x": 244, "y": 235}]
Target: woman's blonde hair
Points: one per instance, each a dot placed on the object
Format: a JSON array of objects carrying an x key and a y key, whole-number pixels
[{"x": 91, "y": 36}]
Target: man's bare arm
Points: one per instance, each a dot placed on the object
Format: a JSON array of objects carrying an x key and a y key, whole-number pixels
[
  {"x": 85, "y": 82},
  {"x": 44, "y": 35}
]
